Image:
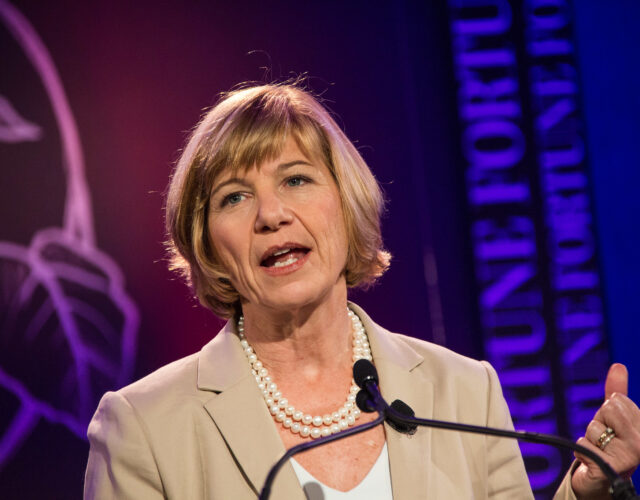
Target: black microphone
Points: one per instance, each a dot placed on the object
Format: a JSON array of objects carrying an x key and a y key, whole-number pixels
[
  {"x": 364, "y": 373},
  {"x": 366, "y": 377},
  {"x": 369, "y": 398},
  {"x": 404, "y": 409}
]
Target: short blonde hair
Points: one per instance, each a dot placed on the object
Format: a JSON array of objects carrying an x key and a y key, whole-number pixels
[{"x": 247, "y": 127}]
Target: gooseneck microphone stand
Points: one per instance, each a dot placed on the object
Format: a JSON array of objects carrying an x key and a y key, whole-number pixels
[{"x": 400, "y": 417}]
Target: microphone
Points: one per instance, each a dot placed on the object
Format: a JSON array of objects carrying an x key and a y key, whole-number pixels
[
  {"x": 369, "y": 399},
  {"x": 366, "y": 377},
  {"x": 404, "y": 409},
  {"x": 364, "y": 373}
]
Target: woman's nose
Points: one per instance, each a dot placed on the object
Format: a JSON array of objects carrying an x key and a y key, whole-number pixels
[{"x": 272, "y": 214}]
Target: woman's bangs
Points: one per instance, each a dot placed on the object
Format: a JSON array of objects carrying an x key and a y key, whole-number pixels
[{"x": 265, "y": 140}]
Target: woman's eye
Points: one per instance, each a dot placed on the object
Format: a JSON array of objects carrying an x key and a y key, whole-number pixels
[
  {"x": 298, "y": 180},
  {"x": 232, "y": 199}
]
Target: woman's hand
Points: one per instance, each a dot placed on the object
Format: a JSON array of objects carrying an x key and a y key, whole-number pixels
[{"x": 621, "y": 450}]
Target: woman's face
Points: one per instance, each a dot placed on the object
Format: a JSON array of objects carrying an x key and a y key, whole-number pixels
[{"x": 279, "y": 231}]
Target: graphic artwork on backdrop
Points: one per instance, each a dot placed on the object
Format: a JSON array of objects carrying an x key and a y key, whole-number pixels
[{"x": 67, "y": 326}]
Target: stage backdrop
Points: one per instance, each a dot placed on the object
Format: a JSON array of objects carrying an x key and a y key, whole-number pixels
[{"x": 485, "y": 123}]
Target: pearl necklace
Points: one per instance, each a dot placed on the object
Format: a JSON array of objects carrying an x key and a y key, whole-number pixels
[{"x": 296, "y": 421}]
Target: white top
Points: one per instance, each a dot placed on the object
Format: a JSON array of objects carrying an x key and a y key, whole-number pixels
[{"x": 376, "y": 484}]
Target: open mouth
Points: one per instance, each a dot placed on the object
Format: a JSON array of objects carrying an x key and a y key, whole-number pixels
[{"x": 282, "y": 257}]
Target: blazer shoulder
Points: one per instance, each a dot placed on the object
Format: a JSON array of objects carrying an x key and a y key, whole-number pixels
[
  {"x": 416, "y": 355},
  {"x": 189, "y": 382},
  {"x": 448, "y": 369},
  {"x": 172, "y": 384},
  {"x": 440, "y": 356},
  {"x": 465, "y": 389}
]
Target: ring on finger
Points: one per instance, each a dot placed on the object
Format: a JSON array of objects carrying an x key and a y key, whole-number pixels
[{"x": 605, "y": 438}]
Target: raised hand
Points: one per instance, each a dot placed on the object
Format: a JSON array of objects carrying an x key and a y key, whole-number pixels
[{"x": 614, "y": 434}]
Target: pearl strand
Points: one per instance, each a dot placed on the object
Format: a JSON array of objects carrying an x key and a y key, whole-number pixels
[{"x": 295, "y": 420}]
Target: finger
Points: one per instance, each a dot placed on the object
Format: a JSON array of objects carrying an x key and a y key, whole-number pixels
[
  {"x": 618, "y": 412},
  {"x": 617, "y": 380},
  {"x": 595, "y": 430},
  {"x": 588, "y": 461},
  {"x": 602, "y": 438}
]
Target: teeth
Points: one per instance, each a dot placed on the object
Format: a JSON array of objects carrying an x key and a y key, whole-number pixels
[
  {"x": 280, "y": 252},
  {"x": 287, "y": 262}
]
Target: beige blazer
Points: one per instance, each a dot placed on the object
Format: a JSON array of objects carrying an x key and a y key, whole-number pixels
[{"x": 199, "y": 429}]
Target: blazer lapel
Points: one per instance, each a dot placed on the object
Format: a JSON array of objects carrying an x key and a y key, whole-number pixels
[
  {"x": 409, "y": 456},
  {"x": 241, "y": 416}
]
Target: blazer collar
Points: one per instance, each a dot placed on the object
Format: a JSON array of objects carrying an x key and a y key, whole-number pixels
[
  {"x": 222, "y": 363},
  {"x": 396, "y": 362},
  {"x": 247, "y": 426},
  {"x": 241, "y": 416}
]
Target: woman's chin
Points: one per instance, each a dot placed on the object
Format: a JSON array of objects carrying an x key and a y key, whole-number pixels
[{"x": 297, "y": 296}]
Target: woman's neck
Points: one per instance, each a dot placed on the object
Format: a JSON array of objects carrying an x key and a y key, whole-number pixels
[{"x": 306, "y": 341}]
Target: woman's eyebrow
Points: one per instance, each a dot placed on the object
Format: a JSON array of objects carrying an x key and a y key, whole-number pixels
[
  {"x": 289, "y": 164},
  {"x": 232, "y": 180}
]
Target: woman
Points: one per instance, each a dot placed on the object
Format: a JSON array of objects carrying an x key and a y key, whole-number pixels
[{"x": 272, "y": 215}]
